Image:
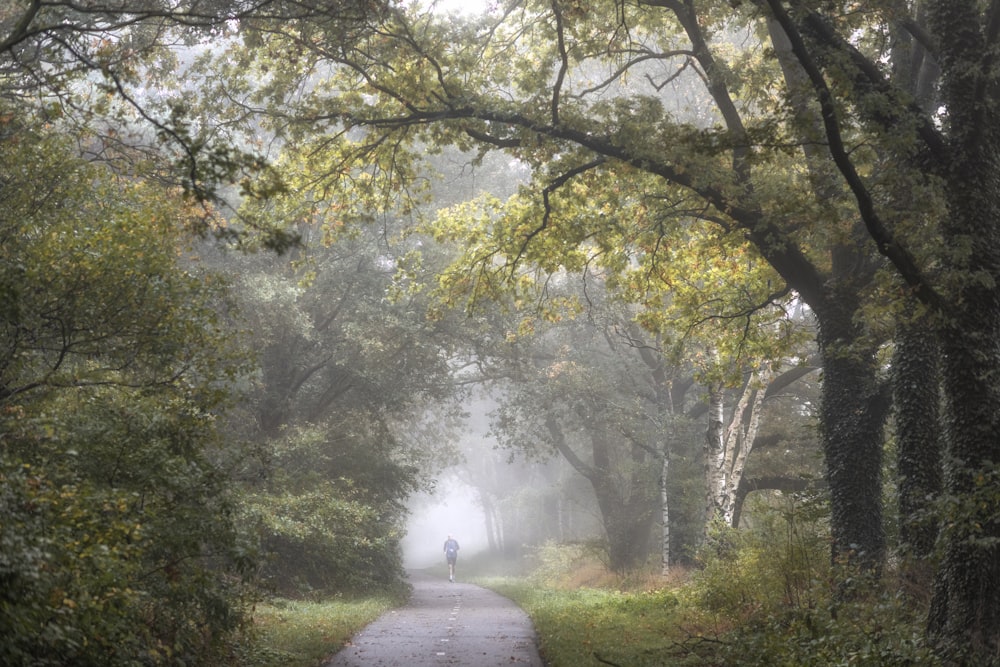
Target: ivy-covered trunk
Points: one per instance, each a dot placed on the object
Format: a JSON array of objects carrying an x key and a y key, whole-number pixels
[
  {"x": 852, "y": 418},
  {"x": 965, "y": 617},
  {"x": 916, "y": 400},
  {"x": 965, "y": 613}
]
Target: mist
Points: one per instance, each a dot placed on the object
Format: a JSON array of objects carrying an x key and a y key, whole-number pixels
[{"x": 451, "y": 510}]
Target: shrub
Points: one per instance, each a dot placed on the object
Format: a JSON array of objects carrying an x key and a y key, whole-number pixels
[
  {"x": 553, "y": 561},
  {"x": 94, "y": 576},
  {"x": 330, "y": 514},
  {"x": 67, "y": 553},
  {"x": 319, "y": 543},
  {"x": 771, "y": 585}
]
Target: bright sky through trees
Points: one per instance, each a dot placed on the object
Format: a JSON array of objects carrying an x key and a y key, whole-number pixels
[{"x": 459, "y": 7}]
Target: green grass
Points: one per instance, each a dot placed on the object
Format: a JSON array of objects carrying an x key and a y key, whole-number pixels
[
  {"x": 765, "y": 599},
  {"x": 653, "y": 622},
  {"x": 590, "y": 626},
  {"x": 293, "y": 633}
]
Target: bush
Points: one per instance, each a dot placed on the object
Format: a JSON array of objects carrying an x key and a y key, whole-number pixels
[
  {"x": 771, "y": 588},
  {"x": 330, "y": 513},
  {"x": 552, "y": 562},
  {"x": 67, "y": 553},
  {"x": 880, "y": 630},
  {"x": 776, "y": 565},
  {"x": 99, "y": 576},
  {"x": 318, "y": 543}
]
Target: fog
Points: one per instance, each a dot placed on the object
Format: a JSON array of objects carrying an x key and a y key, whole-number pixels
[{"x": 451, "y": 510}]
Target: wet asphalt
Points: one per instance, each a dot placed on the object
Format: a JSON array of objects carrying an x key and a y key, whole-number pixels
[{"x": 445, "y": 624}]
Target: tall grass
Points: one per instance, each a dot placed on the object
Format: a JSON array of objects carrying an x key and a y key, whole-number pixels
[
  {"x": 591, "y": 626},
  {"x": 586, "y": 615}
]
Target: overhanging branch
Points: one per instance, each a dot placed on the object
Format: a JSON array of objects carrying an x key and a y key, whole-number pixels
[{"x": 884, "y": 241}]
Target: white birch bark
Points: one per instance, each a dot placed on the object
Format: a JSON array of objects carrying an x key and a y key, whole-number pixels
[
  {"x": 727, "y": 447},
  {"x": 739, "y": 442},
  {"x": 664, "y": 511},
  {"x": 715, "y": 453}
]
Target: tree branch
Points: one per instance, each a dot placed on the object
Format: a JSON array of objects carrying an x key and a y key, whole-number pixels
[
  {"x": 871, "y": 76},
  {"x": 884, "y": 241},
  {"x": 563, "y": 62}
]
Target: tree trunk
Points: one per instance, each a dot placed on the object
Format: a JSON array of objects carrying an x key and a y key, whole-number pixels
[
  {"x": 916, "y": 369},
  {"x": 715, "y": 454},
  {"x": 625, "y": 502},
  {"x": 916, "y": 399},
  {"x": 489, "y": 517},
  {"x": 740, "y": 437},
  {"x": 665, "y": 513},
  {"x": 965, "y": 617},
  {"x": 852, "y": 412},
  {"x": 965, "y": 612},
  {"x": 852, "y": 415},
  {"x": 627, "y": 523}
]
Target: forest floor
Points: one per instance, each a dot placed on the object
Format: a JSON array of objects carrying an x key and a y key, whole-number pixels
[{"x": 445, "y": 624}]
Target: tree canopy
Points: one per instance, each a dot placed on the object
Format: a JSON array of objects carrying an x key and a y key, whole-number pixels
[
  {"x": 726, "y": 169},
  {"x": 831, "y": 145}
]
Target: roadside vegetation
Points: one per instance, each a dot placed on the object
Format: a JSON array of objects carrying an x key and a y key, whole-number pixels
[
  {"x": 757, "y": 597},
  {"x": 303, "y": 633},
  {"x": 760, "y": 596}
]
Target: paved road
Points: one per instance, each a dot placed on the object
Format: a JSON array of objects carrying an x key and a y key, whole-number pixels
[{"x": 445, "y": 624}]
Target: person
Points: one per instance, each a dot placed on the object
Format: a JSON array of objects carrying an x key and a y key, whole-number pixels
[{"x": 451, "y": 555}]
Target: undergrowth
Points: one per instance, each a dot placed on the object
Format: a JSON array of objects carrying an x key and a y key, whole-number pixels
[{"x": 759, "y": 596}]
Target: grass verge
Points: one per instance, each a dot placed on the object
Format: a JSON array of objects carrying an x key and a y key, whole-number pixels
[
  {"x": 297, "y": 633},
  {"x": 589, "y": 626}
]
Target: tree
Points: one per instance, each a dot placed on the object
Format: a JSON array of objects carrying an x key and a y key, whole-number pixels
[
  {"x": 118, "y": 73},
  {"x": 800, "y": 152},
  {"x": 350, "y": 408},
  {"x": 952, "y": 155},
  {"x": 579, "y": 395},
  {"x": 570, "y": 139},
  {"x": 118, "y": 543}
]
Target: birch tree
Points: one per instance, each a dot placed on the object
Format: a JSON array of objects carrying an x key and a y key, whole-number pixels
[{"x": 728, "y": 446}]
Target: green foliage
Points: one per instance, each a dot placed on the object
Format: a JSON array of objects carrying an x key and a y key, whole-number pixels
[
  {"x": 779, "y": 562},
  {"x": 969, "y": 519},
  {"x": 330, "y": 516},
  {"x": 121, "y": 547},
  {"x": 96, "y": 292},
  {"x": 135, "y": 559},
  {"x": 321, "y": 542},
  {"x": 769, "y": 590},
  {"x": 69, "y": 556},
  {"x": 879, "y": 630}
]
